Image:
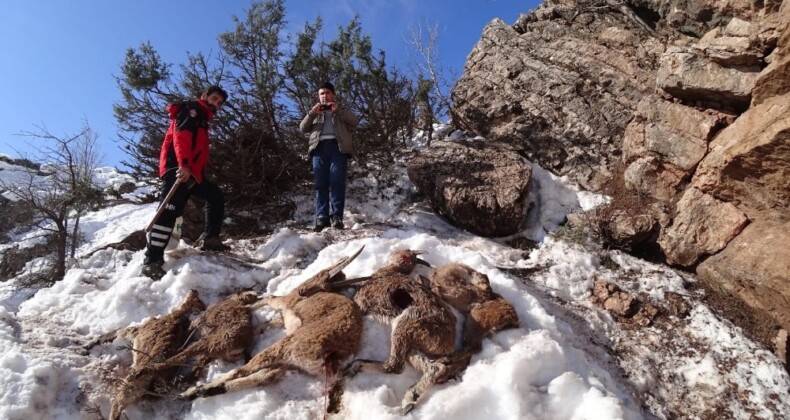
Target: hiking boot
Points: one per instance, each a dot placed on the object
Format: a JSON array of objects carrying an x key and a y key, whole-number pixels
[
  {"x": 321, "y": 223},
  {"x": 211, "y": 243},
  {"x": 337, "y": 222},
  {"x": 153, "y": 270}
]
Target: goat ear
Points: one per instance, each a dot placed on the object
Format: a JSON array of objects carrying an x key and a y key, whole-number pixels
[{"x": 343, "y": 263}]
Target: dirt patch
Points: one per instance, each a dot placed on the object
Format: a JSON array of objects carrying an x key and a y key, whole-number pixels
[{"x": 757, "y": 325}]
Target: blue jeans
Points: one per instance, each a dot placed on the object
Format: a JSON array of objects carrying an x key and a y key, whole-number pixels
[{"x": 329, "y": 172}]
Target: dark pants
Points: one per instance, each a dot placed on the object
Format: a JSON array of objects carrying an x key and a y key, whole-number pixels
[
  {"x": 163, "y": 228},
  {"x": 329, "y": 172}
]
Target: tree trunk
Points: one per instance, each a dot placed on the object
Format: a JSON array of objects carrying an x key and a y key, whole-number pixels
[
  {"x": 74, "y": 235},
  {"x": 60, "y": 257}
]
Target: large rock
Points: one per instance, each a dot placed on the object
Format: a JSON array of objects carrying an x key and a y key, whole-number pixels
[
  {"x": 651, "y": 176},
  {"x": 697, "y": 17},
  {"x": 627, "y": 230},
  {"x": 702, "y": 227},
  {"x": 664, "y": 143},
  {"x": 733, "y": 46},
  {"x": 688, "y": 75},
  {"x": 775, "y": 79},
  {"x": 749, "y": 162},
  {"x": 481, "y": 187},
  {"x": 561, "y": 89},
  {"x": 755, "y": 266}
]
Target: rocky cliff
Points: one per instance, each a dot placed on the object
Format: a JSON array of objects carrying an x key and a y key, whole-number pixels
[{"x": 684, "y": 102}]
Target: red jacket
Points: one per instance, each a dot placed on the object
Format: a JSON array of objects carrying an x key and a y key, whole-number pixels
[{"x": 186, "y": 140}]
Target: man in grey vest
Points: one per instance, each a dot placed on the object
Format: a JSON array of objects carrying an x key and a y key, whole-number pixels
[{"x": 329, "y": 126}]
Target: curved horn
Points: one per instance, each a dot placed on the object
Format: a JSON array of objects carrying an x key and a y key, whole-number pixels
[
  {"x": 344, "y": 262},
  {"x": 349, "y": 282}
]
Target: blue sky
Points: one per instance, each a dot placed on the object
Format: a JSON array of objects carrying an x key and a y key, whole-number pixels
[{"x": 58, "y": 57}]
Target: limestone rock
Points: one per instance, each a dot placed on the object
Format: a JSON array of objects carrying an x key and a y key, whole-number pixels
[
  {"x": 480, "y": 186},
  {"x": 676, "y": 305},
  {"x": 692, "y": 77},
  {"x": 774, "y": 80},
  {"x": 653, "y": 177},
  {"x": 749, "y": 162},
  {"x": 613, "y": 299},
  {"x": 552, "y": 89},
  {"x": 676, "y": 133},
  {"x": 734, "y": 46},
  {"x": 755, "y": 266},
  {"x": 702, "y": 227},
  {"x": 629, "y": 230}
]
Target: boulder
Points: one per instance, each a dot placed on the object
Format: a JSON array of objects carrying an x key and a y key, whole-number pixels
[
  {"x": 551, "y": 87},
  {"x": 731, "y": 47},
  {"x": 664, "y": 143},
  {"x": 676, "y": 133},
  {"x": 749, "y": 162},
  {"x": 774, "y": 80},
  {"x": 653, "y": 177},
  {"x": 480, "y": 186},
  {"x": 702, "y": 227},
  {"x": 755, "y": 266},
  {"x": 627, "y": 231},
  {"x": 690, "y": 76}
]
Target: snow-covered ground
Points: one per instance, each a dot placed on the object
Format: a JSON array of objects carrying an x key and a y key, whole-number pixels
[{"x": 568, "y": 360}]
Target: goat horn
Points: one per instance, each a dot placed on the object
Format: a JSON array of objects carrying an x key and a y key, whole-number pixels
[
  {"x": 349, "y": 282},
  {"x": 343, "y": 263}
]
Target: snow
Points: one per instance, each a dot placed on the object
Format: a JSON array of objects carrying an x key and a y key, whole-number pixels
[{"x": 560, "y": 364}]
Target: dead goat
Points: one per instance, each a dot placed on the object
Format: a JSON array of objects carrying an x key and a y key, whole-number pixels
[
  {"x": 423, "y": 327},
  {"x": 469, "y": 292},
  {"x": 224, "y": 331},
  {"x": 323, "y": 329},
  {"x": 152, "y": 342}
]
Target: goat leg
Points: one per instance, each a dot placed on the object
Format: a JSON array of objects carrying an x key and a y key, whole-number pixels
[
  {"x": 229, "y": 383},
  {"x": 432, "y": 373}
]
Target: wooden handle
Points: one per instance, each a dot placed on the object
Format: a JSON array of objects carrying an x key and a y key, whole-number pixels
[{"x": 163, "y": 206}]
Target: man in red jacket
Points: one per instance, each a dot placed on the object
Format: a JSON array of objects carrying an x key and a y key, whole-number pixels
[{"x": 184, "y": 156}]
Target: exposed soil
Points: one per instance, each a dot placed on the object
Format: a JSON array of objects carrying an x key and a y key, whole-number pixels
[{"x": 757, "y": 325}]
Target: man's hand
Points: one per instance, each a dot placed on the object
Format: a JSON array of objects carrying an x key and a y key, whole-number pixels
[
  {"x": 183, "y": 173},
  {"x": 317, "y": 108}
]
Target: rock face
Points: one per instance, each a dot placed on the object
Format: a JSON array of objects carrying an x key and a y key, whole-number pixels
[
  {"x": 664, "y": 143},
  {"x": 562, "y": 96},
  {"x": 691, "y": 76},
  {"x": 687, "y": 102},
  {"x": 756, "y": 266},
  {"x": 749, "y": 162},
  {"x": 702, "y": 227},
  {"x": 479, "y": 186}
]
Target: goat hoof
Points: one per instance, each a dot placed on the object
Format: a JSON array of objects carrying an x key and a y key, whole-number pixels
[
  {"x": 190, "y": 394},
  {"x": 351, "y": 370},
  {"x": 406, "y": 408}
]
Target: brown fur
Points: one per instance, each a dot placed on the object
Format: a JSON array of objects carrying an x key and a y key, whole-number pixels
[
  {"x": 423, "y": 326},
  {"x": 323, "y": 328},
  {"x": 224, "y": 331},
  {"x": 469, "y": 292},
  {"x": 152, "y": 342}
]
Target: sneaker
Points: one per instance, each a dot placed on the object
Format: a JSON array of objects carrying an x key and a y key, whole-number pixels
[
  {"x": 211, "y": 243},
  {"x": 337, "y": 222},
  {"x": 321, "y": 223},
  {"x": 154, "y": 270}
]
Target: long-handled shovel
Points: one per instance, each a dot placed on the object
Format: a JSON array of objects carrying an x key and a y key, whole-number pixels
[{"x": 163, "y": 206}]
